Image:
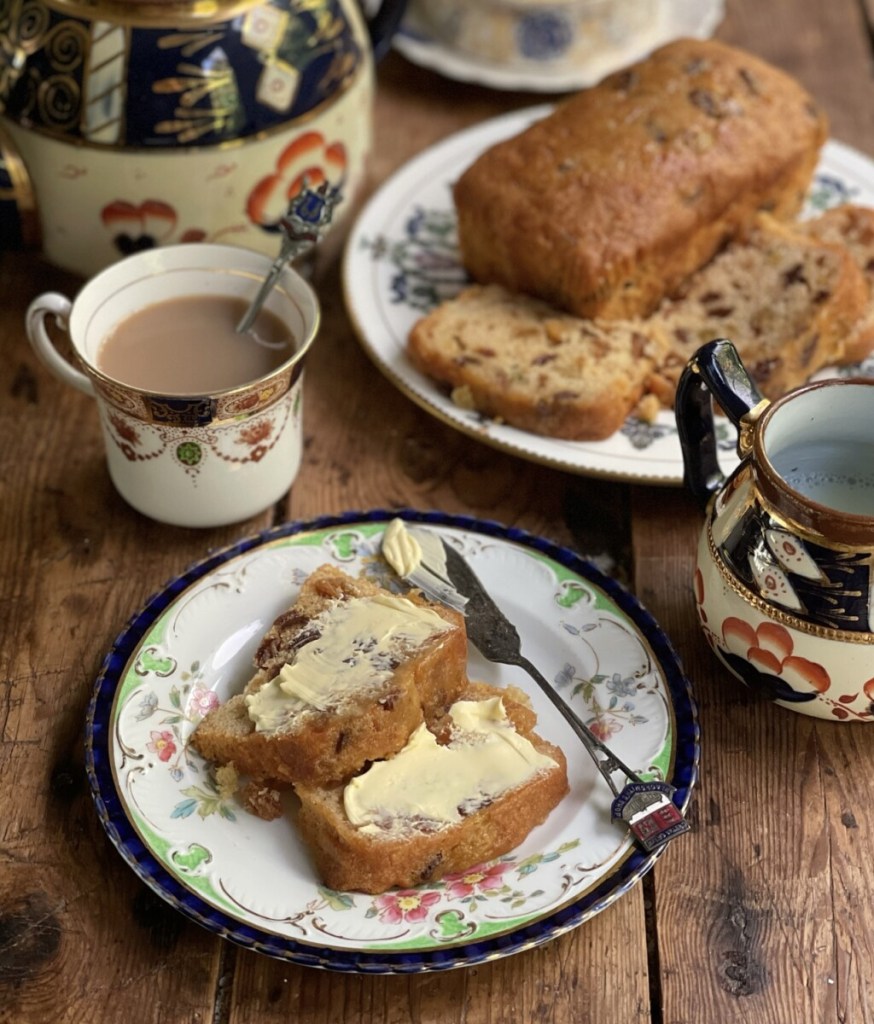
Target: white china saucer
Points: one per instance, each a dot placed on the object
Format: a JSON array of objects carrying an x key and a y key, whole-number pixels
[{"x": 695, "y": 18}]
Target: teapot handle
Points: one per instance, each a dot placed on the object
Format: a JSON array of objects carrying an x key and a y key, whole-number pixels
[
  {"x": 715, "y": 370},
  {"x": 382, "y": 25}
]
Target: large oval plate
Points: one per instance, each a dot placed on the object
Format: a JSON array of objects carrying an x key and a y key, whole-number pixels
[
  {"x": 251, "y": 881},
  {"x": 401, "y": 261}
]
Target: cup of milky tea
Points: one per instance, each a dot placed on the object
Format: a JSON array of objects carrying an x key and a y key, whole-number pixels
[{"x": 202, "y": 425}]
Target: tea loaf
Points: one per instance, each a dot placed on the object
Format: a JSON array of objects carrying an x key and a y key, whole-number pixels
[
  {"x": 468, "y": 789},
  {"x": 788, "y": 302},
  {"x": 527, "y": 363},
  {"x": 608, "y": 204},
  {"x": 343, "y": 677},
  {"x": 852, "y": 226}
]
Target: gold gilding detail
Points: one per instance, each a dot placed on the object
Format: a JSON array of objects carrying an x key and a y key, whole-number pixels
[
  {"x": 778, "y": 615},
  {"x": 747, "y": 427}
]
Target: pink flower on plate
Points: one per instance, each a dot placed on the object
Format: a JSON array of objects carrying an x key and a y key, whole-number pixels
[
  {"x": 162, "y": 744},
  {"x": 482, "y": 878},
  {"x": 202, "y": 701},
  {"x": 405, "y": 905},
  {"x": 604, "y": 728}
]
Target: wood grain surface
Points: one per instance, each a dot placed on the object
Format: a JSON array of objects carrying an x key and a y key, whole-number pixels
[{"x": 764, "y": 914}]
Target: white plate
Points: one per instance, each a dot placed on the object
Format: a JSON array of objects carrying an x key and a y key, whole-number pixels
[
  {"x": 251, "y": 880},
  {"x": 693, "y": 18},
  {"x": 401, "y": 260}
]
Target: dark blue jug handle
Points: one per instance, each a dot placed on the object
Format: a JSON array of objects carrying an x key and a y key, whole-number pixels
[
  {"x": 383, "y": 24},
  {"x": 714, "y": 371}
]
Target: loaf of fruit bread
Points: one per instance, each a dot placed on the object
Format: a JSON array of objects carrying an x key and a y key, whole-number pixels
[
  {"x": 466, "y": 790},
  {"x": 608, "y": 204},
  {"x": 343, "y": 677},
  {"x": 852, "y": 226},
  {"x": 787, "y": 301},
  {"x": 523, "y": 361}
]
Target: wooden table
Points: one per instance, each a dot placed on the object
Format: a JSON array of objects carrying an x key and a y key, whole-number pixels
[{"x": 764, "y": 913}]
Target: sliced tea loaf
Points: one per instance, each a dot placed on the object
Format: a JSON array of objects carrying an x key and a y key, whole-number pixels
[
  {"x": 344, "y": 677},
  {"x": 852, "y": 226},
  {"x": 788, "y": 301},
  {"x": 524, "y": 362}
]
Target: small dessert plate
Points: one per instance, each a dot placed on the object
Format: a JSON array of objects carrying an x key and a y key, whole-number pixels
[{"x": 251, "y": 881}]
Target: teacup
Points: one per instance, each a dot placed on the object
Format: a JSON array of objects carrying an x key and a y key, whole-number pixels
[
  {"x": 784, "y": 581},
  {"x": 200, "y": 459}
]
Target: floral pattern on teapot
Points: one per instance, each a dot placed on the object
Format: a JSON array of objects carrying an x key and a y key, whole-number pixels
[
  {"x": 200, "y": 84},
  {"x": 134, "y": 135}
]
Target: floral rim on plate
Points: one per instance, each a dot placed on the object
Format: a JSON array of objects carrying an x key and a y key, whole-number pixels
[{"x": 250, "y": 880}]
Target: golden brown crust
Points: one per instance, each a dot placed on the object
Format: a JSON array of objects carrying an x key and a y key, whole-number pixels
[
  {"x": 608, "y": 204},
  {"x": 334, "y": 744},
  {"x": 853, "y": 227},
  {"x": 348, "y": 859}
]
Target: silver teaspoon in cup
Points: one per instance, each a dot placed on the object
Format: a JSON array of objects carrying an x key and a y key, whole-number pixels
[{"x": 308, "y": 215}]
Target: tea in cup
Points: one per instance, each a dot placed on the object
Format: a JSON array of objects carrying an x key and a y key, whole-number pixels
[
  {"x": 784, "y": 582},
  {"x": 202, "y": 424}
]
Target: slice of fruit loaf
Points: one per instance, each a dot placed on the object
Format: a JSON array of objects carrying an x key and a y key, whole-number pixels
[
  {"x": 344, "y": 677},
  {"x": 852, "y": 226},
  {"x": 525, "y": 362},
  {"x": 466, "y": 790},
  {"x": 788, "y": 301}
]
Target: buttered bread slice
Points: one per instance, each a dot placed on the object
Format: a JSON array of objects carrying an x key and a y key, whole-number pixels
[
  {"x": 344, "y": 677},
  {"x": 464, "y": 789}
]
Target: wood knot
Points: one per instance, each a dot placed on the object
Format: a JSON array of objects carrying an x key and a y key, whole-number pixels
[{"x": 30, "y": 936}]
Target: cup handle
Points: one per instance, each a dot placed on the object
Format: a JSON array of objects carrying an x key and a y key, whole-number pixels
[
  {"x": 715, "y": 370},
  {"x": 382, "y": 25},
  {"x": 52, "y": 303}
]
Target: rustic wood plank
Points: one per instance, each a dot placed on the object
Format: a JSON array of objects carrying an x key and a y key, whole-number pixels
[
  {"x": 759, "y": 917},
  {"x": 78, "y": 931},
  {"x": 588, "y": 975}
]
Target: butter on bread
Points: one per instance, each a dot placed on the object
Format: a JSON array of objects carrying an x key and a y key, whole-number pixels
[
  {"x": 404, "y": 850},
  {"x": 271, "y": 733},
  {"x": 608, "y": 204}
]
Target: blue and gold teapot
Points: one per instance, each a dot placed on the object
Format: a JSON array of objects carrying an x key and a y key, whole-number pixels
[{"x": 128, "y": 125}]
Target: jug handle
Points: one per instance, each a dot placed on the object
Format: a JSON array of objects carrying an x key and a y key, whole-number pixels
[
  {"x": 382, "y": 25},
  {"x": 714, "y": 371}
]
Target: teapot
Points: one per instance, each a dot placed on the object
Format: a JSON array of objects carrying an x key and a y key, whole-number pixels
[
  {"x": 784, "y": 577},
  {"x": 130, "y": 125}
]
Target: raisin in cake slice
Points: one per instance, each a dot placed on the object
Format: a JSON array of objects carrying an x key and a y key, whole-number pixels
[{"x": 343, "y": 677}]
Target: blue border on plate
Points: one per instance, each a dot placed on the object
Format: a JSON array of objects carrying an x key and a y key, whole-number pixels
[{"x": 131, "y": 847}]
